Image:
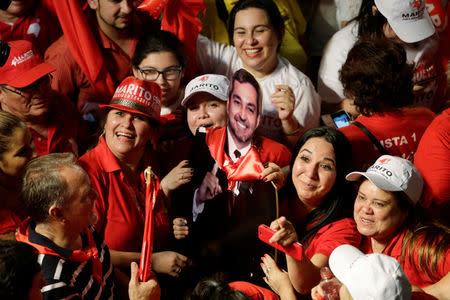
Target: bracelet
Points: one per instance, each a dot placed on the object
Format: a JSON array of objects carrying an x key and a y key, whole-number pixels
[{"x": 293, "y": 132}]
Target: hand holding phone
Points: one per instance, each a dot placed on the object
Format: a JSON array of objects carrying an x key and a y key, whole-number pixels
[
  {"x": 295, "y": 249},
  {"x": 341, "y": 119}
]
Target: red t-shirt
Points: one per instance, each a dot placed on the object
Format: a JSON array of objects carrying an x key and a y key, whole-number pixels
[
  {"x": 433, "y": 160},
  {"x": 120, "y": 206},
  {"x": 333, "y": 235},
  {"x": 399, "y": 132},
  {"x": 39, "y": 26},
  {"x": 415, "y": 276},
  {"x": 63, "y": 130}
]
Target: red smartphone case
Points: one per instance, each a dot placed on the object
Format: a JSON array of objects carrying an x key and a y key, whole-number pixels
[{"x": 295, "y": 249}]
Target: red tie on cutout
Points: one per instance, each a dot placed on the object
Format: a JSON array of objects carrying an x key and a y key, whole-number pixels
[
  {"x": 248, "y": 167},
  {"x": 151, "y": 192}
]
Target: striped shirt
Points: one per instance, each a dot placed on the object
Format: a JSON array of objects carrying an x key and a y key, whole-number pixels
[{"x": 70, "y": 279}]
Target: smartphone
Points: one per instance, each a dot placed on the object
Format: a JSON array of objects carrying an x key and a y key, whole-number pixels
[
  {"x": 340, "y": 119},
  {"x": 295, "y": 249}
]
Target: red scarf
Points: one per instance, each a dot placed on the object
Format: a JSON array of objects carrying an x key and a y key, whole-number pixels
[
  {"x": 90, "y": 252},
  {"x": 248, "y": 167}
]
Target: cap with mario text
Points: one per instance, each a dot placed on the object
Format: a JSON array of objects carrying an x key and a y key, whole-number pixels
[
  {"x": 408, "y": 18},
  {"x": 24, "y": 65},
  {"x": 138, "y": 96},
  {"x": 374, "y": 276},
  {"x": 393, "y": 174},
  {"x": 216, "y": 85}
]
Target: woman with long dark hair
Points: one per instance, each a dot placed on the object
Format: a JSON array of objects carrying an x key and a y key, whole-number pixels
[{"x": 318, "y": 207}]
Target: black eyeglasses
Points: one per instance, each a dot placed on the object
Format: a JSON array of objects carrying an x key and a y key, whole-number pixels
[
  {"x": 17, "y": 92},
  {"x": 37, "y": 86},
  {"x": 171, "y": 73}
]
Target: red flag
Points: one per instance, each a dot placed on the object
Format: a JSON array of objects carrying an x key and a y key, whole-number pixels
[
  {"x": 151, "y": 191},
  {"x": 82, "y": 44},
  {"x": 180, "y": 18}
]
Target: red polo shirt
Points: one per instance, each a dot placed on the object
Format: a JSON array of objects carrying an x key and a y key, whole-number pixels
[{"x": 120, "y": 206}]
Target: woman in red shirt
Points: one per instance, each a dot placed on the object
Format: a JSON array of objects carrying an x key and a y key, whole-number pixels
[
  {"x": 388, "y": 217},
  {"x": 318, "y": 207},
  {"x": 116, "y": 168}
]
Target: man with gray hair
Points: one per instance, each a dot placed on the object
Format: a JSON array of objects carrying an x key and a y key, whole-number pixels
[{"x": 75, "y": 260}]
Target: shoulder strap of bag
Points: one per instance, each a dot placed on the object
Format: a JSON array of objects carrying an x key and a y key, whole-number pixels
[{"x": 371, "y": 137}]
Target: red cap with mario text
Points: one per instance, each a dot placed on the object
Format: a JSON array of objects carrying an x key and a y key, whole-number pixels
[
  {"x": 24, "y": 65},
  {"x": 138, "y": 96}
]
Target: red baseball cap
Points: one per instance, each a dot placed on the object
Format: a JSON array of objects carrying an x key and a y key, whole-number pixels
[
  {"x": 24, "y": 65},
  {"x": 138, "y": 96}
]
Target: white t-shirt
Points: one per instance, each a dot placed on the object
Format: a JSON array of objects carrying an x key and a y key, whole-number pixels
[
  {"x": 425, "y": 59},
  {"x": 216, "y": 58}
]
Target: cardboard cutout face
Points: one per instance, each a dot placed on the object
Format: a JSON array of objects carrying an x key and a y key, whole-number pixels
[{"x": 243, "y": 108}]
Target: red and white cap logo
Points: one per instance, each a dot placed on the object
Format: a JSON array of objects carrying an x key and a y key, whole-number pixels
[
  {"x": 138, "y": 96},
  {"x": 24, "y": 65}
]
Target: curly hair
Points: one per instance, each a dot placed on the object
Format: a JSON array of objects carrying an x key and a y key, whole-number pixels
[{"x": 377, "y": 76}]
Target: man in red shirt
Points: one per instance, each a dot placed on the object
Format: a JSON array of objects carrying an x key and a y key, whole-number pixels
[
  {"x": 25, "y": 92},
  {"x": 115, "y": 27}
]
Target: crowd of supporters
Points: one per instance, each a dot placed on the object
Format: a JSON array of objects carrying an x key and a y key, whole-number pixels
[{"x": 327, "y": 121}]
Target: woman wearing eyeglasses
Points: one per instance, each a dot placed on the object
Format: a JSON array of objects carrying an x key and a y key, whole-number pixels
[{"x": 160, "y": 57}]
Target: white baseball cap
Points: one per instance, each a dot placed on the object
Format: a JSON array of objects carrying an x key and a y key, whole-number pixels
[
  {"x": 374, "y": 276},
  {"x": 408, "y": 18},
  {"x": 216, "y": 85},
  {"x": 393, "y": 174}
]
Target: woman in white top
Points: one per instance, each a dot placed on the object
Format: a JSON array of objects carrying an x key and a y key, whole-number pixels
[{"x": 290, "y": 102}]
